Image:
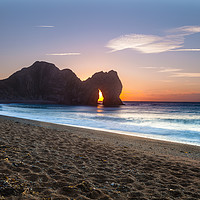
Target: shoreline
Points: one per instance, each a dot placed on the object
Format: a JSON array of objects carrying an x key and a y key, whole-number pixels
[
  {"x": 170, "y": 129},
  {"x": 116, "y": 132},
  {"x": 157, "y": 146},
  {"x": 40, "y": 160}
]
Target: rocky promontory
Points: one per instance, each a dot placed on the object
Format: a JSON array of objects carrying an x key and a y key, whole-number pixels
[{"x": 43, "y": 82}]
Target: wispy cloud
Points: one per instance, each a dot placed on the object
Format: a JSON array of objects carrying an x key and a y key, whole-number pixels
[
  {"x": 149, "y": 67},
  {"x": 187, "y": 30},
  {"x": 63, "y": 54},
  {"x": 133, "y": 41},
  {"x": 170, "y": 70},
  {"x": 44, "y": 26},
  {"x": 173, "y": 41},
  {"x": 174, "y": 72},
  {"x": 163, "y": 69},
  {"x": 188, "y": 75},
  {"x": 185, "y": 50}
]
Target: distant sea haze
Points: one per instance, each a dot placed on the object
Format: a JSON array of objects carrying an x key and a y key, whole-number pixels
[{"x": 176, "y": 122}]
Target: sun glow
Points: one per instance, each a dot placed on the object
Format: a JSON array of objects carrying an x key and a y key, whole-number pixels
[{"x": 100, "y": 96}]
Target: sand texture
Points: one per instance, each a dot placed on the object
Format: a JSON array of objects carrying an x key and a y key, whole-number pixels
[{"x": 47, "y": 161}]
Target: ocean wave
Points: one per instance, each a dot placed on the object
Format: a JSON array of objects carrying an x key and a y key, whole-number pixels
[{"x": 171, "y": 121}]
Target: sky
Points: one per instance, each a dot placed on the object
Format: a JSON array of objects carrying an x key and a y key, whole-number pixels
[{"x": 154, "y": 45}]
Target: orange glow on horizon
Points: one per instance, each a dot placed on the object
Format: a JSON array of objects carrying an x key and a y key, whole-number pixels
[
  {"x": 173, "y": 97},
  {"x": 100, "y": 96}
]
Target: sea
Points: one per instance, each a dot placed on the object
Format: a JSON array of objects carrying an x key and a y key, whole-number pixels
[{"x": 168, "y": 121}]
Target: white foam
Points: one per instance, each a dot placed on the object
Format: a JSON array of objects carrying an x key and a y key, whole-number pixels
[{"x": 154, "y": 123}]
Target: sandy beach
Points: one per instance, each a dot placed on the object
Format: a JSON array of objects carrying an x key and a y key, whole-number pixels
[{"x": 47, "y": 161}]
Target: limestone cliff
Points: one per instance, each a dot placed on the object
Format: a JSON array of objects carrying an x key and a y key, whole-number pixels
[{"x": 44, "y": 83}]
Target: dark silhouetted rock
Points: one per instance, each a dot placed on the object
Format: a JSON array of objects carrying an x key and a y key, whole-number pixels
[{"x": 44, "y": 83}]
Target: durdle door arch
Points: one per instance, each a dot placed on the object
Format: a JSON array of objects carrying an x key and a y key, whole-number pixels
[{"x": 44, "y": 82}]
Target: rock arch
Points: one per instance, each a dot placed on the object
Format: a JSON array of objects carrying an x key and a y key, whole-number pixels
[
  {"x": 44, "y": 82},
  {"x": 110, "y": 86}
]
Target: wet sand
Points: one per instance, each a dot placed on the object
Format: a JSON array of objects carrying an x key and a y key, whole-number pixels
[{"x": 47, "y": 161}]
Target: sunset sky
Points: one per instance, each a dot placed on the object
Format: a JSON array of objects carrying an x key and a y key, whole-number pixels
[{"x": 154, "y": 45}]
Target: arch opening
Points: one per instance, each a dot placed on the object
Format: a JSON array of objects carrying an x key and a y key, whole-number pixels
[{"x": 101, "y": 98}]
